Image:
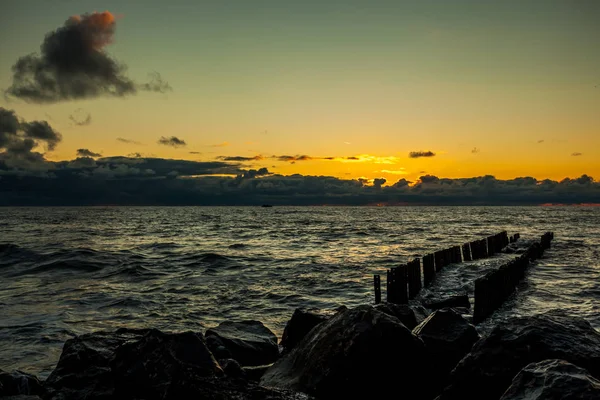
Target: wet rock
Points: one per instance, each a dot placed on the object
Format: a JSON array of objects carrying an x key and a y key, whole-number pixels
[
  {"x": 299, "y": 325},
  {"x": 454, "y": 301},
  {"x": 254, "y": 373},
  {"x": 232, "y": 368},
  {"x": 217, "y": 347},
  {"x": 19, "y": 383},
  {"x": 487, "y": 371},
  {"x": 448, "y": 337},
  {"x": 248, "y": 342},
  {"x": 553, "y": 379},
  {"x": 161, "y": 364},
  {"x": 358, "y": 353},
  {"x": 403, "y": 312},
  {"x": 83, "y": 370}
]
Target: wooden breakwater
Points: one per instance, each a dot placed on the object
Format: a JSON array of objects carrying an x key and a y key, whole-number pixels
[
  {"x": 404, "y": 282},
  {"x": 492, "y": 289}
]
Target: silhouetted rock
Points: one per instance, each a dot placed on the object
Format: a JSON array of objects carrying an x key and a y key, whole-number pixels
[
  {"x": 448, "y": 337},
  {"x": 160, "y": 364},
  {"x": 19, "y": 383},
  {"x": 299, "y": 325},
  {"x": 217, "y": 347},
  {"x": 248, "y": 342},
  {"x": 21, "y": 397},
  {"x": 461, "y": 300},
  {"x": 83, "y": 370},
  {"x": 403, "y": 312},
  {"x": 359, "y": 352},
  {"x": 553, "y": 379},
  {"x": 486, "y": 372},
  {"x": 232, "y": 368},
  {"x": 255, "y": 372}
]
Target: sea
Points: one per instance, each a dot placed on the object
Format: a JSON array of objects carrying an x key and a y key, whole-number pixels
[{"x": 73, "y": 270}]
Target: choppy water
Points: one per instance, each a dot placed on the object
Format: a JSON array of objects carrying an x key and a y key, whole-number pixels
[{"x": 67, "y": 271}]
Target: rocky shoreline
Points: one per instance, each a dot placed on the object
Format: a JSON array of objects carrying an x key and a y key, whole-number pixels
[{"x": 364, "y": 352}]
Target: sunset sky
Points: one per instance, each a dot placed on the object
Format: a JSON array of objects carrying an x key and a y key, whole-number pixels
[{"x": 503, "y": 88}]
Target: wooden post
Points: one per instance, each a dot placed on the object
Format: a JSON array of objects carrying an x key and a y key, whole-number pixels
[
  {"x": 466, "y": 252},
  {"x": 428, "y": 269},
  {"x": 439, "y": 261},
  {"x": 402, "y": 272},
  {"x": 377, "y": 283},
  {"x": 414, "y": 278},
  {"x": 483, "y": 248},
  {"x": 490, "y": 245},
  {"x": 457, "y": 254},
  {"x": 475, "y": 253}
]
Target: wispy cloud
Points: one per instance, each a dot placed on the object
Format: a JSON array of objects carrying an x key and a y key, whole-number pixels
[
  {"x": 419, "y": 154},
  {"x": 577, "y": 154},
  {"x": 128, "y": 141},
  {"x": 541, "y": 141},
  {"x": 224, "y": 144},
  {"x": 172, "y": 141},
  {"x": 240, "y": 158},
  {"x": 80, "y": 117},
  {"x": 475, "y": 150},
  {"x": 401, "y": 171},
  {"x": 87, "y": 153}
]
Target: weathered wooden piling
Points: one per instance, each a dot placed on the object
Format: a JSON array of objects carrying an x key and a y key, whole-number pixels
[
  {"x": 491, "y": 245},
  {"x": 428, "y": 269},
  {"x": 457, "y": 254},
  {"x": 397, "y": 291},
  {"x": 439, "y": 260},
  {"x": 492, "y": 289},
  {"x": 466, "y": 252},
  {"x": 414, "y": 278},
  {"x": 483, "y": 248},
  {"x": 475, "y": 252},
  {"x": 377, "y": 284}
]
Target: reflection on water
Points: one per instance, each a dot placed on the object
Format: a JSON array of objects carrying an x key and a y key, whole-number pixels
[{"x": 66, "y": 271}]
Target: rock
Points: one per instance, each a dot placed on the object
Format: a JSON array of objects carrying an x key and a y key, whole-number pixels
[
  {"x": 359, "y": 352},
  {"x": 448, "y": 337},
  {"x": 299, "y": 325},
  {"x": 217, "y": 347},
  {"x": 83, "y": 370},
  {"x": 248, "y": 342},
  {"x": 553, "y": 379},
  {"x": 486, "y": 372},
  {"x": 21, "y": 397},
  {"x": 161, "y": 364},
  {"x": 403, "y": 312},
  {"x": 254, "y": 373},
  {"x": 232, "y": 368},
  {"x": 454, "y": 301},
  {"x": 18, "y": 383}
]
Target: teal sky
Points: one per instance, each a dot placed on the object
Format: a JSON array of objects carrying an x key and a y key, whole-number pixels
[{"x": 342, "y": 78}]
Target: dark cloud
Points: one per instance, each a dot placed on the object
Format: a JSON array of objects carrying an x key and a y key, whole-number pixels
[
  {"x": 577, "y": 154},
  {"x": 172, "y": 141},
  {"x": 149, "y": 181},
  {"x": 475, "y": 150},
  {"x": 128, "y": 141},
  {"x": 541, "y": 141},
  {"x": 80, "y": 117},
  {"x": 240, "y": 158},
  {"x": 87, "y": 153},
  {"x": 73, "y": 65},
  {"x": 195, "y": 152},
  {"x": 18, "y": 139},
  {"x": 292, "y": 158},
  {"x": 378, "y": 182},
  {"x": 134, "y": 155},
  {"x": 419, "y": 154}
]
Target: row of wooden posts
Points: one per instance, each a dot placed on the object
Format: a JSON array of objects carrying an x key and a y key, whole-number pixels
[
  {"x": 404, "y": 281},
  {"x": 492, "y": 289}
]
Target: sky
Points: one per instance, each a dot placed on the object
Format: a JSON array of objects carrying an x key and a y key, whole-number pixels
[{"x": 349, "y": 89}]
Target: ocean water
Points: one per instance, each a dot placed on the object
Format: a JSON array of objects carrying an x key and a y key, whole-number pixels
[{"x": 68, "y": 271}]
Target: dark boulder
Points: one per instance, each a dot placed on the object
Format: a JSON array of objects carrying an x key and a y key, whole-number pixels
[
  {"x": 232, "y": 368},
  {"x": 461, "y": 300},
  {"x": 553, "y": 379},
  {"x": 255, "y": 372},
  {"x": 217, "y": 347},
  {"x": 358, "y": 353},
  {"x": 83, "y": 370},
  {"x": 448, "y": 337},
  {"x": 21, "y": 397},
  {"x": 19, "y": 383},
  {"x": 248, "y": 342},
  {"x": 159, "y": 365},
  {"x": 403, "y": 312},
  {"x": 487, "y": 371},
  {"x": 299, "y": 325}
]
